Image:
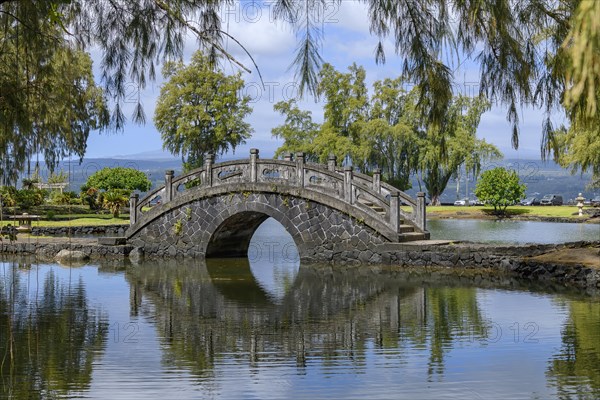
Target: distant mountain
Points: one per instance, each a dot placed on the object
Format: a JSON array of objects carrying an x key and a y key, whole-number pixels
[
  {"x": 156, "y": 155},
  {"x": 541, "y": 177},
  {"x": 267, "y": 149},
  {"x": 153, "y": 163}
]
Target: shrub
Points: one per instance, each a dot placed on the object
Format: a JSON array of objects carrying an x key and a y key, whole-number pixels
[
  {"x": 8, "y": 196},
  {"x": 114, "y": 200},
  {"x": 500, "y": 188},
  {"x": 27, "y": 198},
  {"x": 119, "y": 178},
  {"x": 91, "y": 197}
]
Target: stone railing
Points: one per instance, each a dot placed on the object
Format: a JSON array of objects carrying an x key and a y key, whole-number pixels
[{"x": 368, "y": 193}]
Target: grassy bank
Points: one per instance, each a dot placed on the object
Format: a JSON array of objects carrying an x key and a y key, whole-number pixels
[
  {"x": 63, "y": 216},
  {"x": 79, "y": 220},
  {"x": 485, "y": 212}
]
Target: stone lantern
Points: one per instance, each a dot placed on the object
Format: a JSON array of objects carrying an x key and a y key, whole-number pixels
[{"x": 579, "y": 199}]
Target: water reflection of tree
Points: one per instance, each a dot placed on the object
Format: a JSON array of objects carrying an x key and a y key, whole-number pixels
[
  {"x": 334, "y": 315},
  {"x": 576, "y": 368},
  {"x": 450, "y": 314},
  {"x": 49, "y": 337}
]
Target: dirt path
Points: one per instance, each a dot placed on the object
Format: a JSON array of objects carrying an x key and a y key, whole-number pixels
[{"x": 588, "y": 256}]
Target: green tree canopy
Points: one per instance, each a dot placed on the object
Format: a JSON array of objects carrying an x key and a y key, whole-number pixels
[
  {"x": 49, "y": 101},
  {"x": 445, "y": 150},
  {"x": 346, "y": 104},
  {"x": 199, "y": 111},
  {"x": 386, "y": 131},
  {"x": 119, "y": 178},
  {"x": 391, "y": 134},
  {"x": 531, "y": 52},
  {"x": 578, "y": 148},
  {"x": 500, "y": 188},
  {"x": 298, "y": 131}
]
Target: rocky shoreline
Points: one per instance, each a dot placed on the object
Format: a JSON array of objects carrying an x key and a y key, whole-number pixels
[
  {"x": 79, "y": 231},
  {"x": 522, "y": 261}
]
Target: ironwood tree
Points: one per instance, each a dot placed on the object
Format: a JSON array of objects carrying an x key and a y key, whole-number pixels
[
  {"x": 386, "y": 131},
  {"x": 49, "y": 102},
  {"x": 531, "y": 52},
  {"x": 200, "y": 111}
]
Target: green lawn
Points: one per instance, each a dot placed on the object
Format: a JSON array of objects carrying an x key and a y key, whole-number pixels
[
  {"x": 534, "y": 211},
  {"x": 77, "y": 221}
]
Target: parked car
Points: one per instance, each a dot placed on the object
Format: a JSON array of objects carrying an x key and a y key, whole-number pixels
[
  {"x": 551, "y": 200},
  {"x": 596, "y": 201},
  {"x": 472, "y": 202},
  {"x": 154, "y": 202},
  {"x": 530, "y": 201}
]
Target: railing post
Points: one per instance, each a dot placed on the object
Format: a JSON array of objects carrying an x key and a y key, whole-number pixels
[
  {"x": 421, "y": 219},
  {"x": 253, "y": 164},
  {"x": 169, "y": 185},
  {"x": 348, "y": 185},
  {"x": 300, "y": 168},
  {"x": 286, "y": 171},
  {"x": 208, "y": 163},
  {"x": 133, "y": 203},
  {"x": 377, "y": 180},
  {"x": 331, "y": 162},
  {"x": 395, "y": 211}
]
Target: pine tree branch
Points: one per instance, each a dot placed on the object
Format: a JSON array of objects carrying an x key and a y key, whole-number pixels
[{"x": 200, "y": 33}]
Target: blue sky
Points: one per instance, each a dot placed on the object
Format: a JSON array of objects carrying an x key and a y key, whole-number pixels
[{"x": 272, "y": 44}]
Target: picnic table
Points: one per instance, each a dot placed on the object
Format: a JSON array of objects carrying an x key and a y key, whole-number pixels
[{"x": 24, "y": 221}]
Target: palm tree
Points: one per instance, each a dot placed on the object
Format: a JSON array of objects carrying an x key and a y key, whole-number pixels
[{"x": 113, "y": 201}]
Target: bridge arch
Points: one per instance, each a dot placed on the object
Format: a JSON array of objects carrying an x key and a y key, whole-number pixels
[
  {"x": 233, "y": 228},
  {"x": 325, "y": 209}
]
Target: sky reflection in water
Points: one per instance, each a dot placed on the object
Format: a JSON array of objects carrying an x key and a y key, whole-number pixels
[{"x": 270, "y": 328}]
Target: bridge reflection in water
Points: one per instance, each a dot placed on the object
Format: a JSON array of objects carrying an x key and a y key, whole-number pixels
[
  {"x": 231, "y": 329},
  {"x": 206, "y": 310},
  {"x": 214, "y": 316}
]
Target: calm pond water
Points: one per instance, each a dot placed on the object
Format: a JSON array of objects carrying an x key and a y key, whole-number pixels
[
  {"x": 511, "y": 231},
  {"x": 266, "y": 327}
]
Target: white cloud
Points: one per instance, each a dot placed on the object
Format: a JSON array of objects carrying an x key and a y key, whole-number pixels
[
  {"x": 350, "y": 15},
  {"x": 261, "y": 39}
]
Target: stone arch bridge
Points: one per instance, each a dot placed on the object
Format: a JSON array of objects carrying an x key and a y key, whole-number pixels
[{"x": 213, "y": 211}]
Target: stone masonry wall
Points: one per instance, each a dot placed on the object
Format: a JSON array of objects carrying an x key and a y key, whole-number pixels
[
  {"x": 47, "y": 251},
  {"x": 514, "y": 260},
  {"x": 108, "y": 230},
  {"x": 510, "y": 260},
  {"x": 318, "y": 231}
]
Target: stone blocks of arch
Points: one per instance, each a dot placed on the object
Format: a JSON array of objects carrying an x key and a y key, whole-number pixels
[{"x": 224, "y": 225}]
